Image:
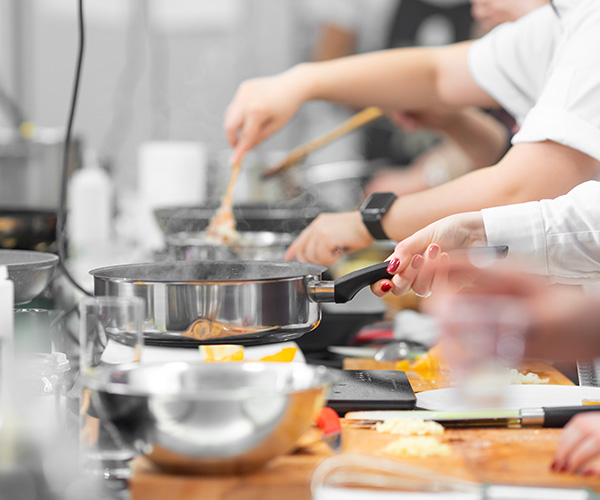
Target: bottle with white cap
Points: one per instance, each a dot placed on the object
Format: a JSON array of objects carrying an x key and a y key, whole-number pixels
[
  {"x": 90, "y": 207},
  {"x": 7, "y": 299}
]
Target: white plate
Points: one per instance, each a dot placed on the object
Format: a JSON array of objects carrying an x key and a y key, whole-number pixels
[{"x": 515, "y": 397}]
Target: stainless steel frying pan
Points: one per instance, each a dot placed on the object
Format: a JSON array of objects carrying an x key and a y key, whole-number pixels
[{"x": 242, "y": 302}]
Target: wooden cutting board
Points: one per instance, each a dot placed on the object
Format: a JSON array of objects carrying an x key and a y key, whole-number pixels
[
  {"x": 513, "y": 456},
  {"x": 500, "y": 456},
  {"x": 287, "y": 477},
  {"x": 508, "y": 456}
]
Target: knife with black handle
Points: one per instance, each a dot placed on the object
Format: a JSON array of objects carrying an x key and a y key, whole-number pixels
[{"x": 557, "y": 416}]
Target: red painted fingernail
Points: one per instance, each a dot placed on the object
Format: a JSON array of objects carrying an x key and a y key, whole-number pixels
[
  {"x": 564, "y": 467},
  {"x": 554, "y": 465},
  {"x": 386, "y": 287},
  {"x": 393, "y": 266},
  {"x": 588, "y": 472},
  {"x": 434, "y": 250},
  {"x": 417, "y": 262}
]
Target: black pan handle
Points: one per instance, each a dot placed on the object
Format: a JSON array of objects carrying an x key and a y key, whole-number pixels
[
  {"x": 560, "y": 416},
  {"x": 347, "y": 286}
]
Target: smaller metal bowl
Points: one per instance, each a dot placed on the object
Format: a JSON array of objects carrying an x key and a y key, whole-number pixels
[
  {"x": 253, "y": 245},
  {"x": 207, "y": 418},
  {"x": 30, "y": 271}
]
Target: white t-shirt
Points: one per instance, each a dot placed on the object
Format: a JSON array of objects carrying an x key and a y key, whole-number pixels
[
  {"x": 545, "y": 70},
  {"x": 560, "y": 237}
]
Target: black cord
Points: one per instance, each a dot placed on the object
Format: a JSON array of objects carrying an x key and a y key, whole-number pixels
[
  {"x": 13, "y": 109},
  {"x": 62, "y": 208}
]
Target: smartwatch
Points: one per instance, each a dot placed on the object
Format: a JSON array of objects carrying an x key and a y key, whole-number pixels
[{"x": 372, "y": 211}]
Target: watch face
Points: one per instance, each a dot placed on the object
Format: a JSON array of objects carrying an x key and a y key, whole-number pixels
[{"x": 378, "y": 202}]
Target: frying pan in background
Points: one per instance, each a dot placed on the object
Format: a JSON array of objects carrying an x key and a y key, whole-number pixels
[
  {"x": 281, "y": 217},
  {"x": 27, "y": 229},
  {"x": 30, "y": 272},
  {"x": 252, "y": 245},
  {"x": 242, "y": 302}
]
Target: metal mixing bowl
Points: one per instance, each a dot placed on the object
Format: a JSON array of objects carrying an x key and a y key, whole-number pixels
[
  {"x": 30, "y": 271},
  {"x": 206, "y": 418}
]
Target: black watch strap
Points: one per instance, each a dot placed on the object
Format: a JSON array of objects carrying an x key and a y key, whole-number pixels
[{"x": 372, "y": 211}]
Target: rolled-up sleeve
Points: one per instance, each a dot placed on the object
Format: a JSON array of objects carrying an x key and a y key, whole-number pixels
[
  {"x": 559, "y": 237},
  {"x": 510, "y": 62},
  {"x": 568, "y": 108}
]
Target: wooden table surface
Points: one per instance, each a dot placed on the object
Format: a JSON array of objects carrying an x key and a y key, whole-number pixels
[{"x": 509, "y": 456}]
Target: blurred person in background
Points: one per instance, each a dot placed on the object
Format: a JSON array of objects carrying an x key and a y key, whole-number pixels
[
  {"x": 552, "y": 93},
  {"x": 470, "y": 137}
]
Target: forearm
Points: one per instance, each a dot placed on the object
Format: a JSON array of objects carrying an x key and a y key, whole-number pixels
[
  {"x": 528, "y": 172},
  {"x": 407, "y": 79},
  {"x": 482, "y": 138}
]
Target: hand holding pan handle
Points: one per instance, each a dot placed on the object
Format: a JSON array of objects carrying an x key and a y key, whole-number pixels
[{"x": 346, "y": 287}]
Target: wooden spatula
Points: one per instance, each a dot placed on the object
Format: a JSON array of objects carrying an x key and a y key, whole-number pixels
[{"x": 361, "y": 118}]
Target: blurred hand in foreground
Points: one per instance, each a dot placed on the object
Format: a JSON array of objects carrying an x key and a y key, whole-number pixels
[
  {"x": 557, "y": 323},
  {"x": 579, "y": 446}
]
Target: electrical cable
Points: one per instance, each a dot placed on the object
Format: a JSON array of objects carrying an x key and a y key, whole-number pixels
[
  {"x": 62, "y": 208},
  {"x": 13, "y": 109}
]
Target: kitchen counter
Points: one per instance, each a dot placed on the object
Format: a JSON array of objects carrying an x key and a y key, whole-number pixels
[{"x": 515, "y": 456}]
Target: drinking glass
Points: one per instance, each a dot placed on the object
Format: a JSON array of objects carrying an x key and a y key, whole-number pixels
[
  {"x": 110, "y": 333},
  {"x": 483, "y": 336}
]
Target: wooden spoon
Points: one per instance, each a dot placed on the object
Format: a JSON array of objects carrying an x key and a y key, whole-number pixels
[
  {"x": 361, "y": 118},
  {"x": 222, "y": 226}
]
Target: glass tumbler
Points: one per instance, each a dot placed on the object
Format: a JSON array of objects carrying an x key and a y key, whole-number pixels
[{"x": 110, "y": 332}]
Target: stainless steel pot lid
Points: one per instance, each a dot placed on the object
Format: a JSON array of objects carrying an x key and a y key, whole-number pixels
[{"x": 213, "y": 271}]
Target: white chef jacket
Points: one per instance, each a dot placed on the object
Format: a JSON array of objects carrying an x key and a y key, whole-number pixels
[
  {"x": 560, "y": 237},
  {"x": 545, "y": 70}
]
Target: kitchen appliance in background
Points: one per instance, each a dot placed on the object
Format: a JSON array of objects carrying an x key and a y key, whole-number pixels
[
  {"x": 338, "y": 185},
  {"x": 30, "y": 173},
  {"x": 252, "y": 245}
]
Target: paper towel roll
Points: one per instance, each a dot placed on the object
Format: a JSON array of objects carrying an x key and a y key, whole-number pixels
[{"x": 172, "y": 173}]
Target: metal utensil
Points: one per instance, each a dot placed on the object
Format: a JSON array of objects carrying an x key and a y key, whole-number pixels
[
  {"x": 223, "y": 301},
  {"x": 30, "y": 272},
  {"x": 209, "y": 418},
  {"x": 394, "y": 351},
  {"x": 551, "y": 417}
]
